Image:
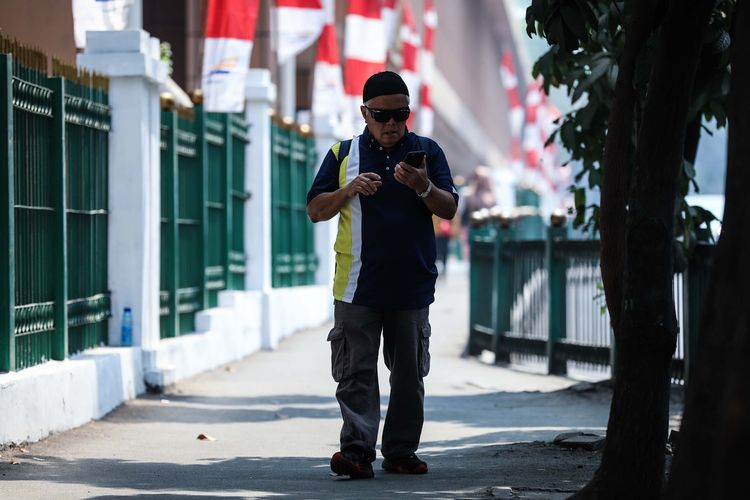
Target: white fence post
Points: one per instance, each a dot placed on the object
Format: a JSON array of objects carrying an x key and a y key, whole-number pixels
[
  {"x": 131, "y": 60},
  {"x": 260, "y": 93}
]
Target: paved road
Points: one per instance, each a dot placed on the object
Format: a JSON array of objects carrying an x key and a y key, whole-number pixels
[{"x": 275, "y": 423}]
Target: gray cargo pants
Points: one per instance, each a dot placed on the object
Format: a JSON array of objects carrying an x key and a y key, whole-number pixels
[{"x": 355, "y": 342}]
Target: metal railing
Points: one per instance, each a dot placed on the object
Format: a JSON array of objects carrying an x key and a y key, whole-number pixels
[
  {"x": 541, "y": 300},
  {"x": 54, "y": 298},
  {"x": 293, "y": 159},
  {"x": 203, "y": 204}
]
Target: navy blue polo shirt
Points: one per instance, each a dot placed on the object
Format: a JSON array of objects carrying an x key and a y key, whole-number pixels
[{"x": 385, "y": 246}]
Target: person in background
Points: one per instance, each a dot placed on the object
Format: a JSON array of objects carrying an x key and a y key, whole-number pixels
[
  {"x": 479, "y": 194},
  {"x": 443, "y": 233}
]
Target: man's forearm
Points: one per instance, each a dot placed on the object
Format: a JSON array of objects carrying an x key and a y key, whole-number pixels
[
  {"x": 326, "y": 205},
  {"x": 441, "y": 203}
]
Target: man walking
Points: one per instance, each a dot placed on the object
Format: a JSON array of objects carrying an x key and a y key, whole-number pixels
[{"x": 385, "y": 274}]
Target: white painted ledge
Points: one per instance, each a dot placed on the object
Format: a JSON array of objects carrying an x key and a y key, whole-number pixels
[
  {"x": 223, "y": 334},
  {"x": 60, "y": 395}
]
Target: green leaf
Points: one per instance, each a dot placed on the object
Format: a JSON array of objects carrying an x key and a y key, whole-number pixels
[
  {"x": 689, "y": 169},
  {"x": 568, "y": 134},
  {"x": 555, "y": 31},
  {"x": 586, "y": 114},
  {"x": 588, "y": 13},
  {"x": 595, "y": 178},
  {"x": 579, "y": 199},
  {"x": 601, "y": 67},
  {"x": 574, "y": 21},
  {"x": 535, "y": 13},
  {"x": 612, "y": 73}
]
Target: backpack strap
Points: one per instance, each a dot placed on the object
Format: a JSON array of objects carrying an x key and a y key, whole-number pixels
[{"x": 341, "y": 150}]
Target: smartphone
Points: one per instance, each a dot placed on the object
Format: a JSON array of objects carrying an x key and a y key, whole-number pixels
[{"x": 415, "y": 158}]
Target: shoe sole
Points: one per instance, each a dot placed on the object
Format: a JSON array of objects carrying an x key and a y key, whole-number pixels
[
  {"x": 402, "y": 470},
  {"x": 343, "y": 467}
]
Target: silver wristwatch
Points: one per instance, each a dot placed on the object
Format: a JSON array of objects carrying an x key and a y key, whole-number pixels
[{"x": 426, "y": 192}]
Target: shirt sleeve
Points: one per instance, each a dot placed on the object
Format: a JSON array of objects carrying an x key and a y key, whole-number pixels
[
  {"x": 327, "y": 178},
  {"x": 439, "y": 171}
]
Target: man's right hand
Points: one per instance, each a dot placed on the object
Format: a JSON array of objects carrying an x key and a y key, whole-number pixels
[{"x": 366, "y": 183}]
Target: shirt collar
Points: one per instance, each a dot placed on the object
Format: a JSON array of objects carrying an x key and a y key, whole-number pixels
[{"x": 372, "y": 143}]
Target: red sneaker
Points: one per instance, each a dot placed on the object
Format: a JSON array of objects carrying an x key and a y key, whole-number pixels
[{"x": 354, "y": 465}]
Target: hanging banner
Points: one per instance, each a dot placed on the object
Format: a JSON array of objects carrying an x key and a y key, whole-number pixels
[
  {"x": 426, "y": 67},
  {"x": 328, "y": 83},
  {"x": 230, "y": 30},
  {"x": 410, "y": 45},
  {"x": 364, "y": 52},
  {"x": 298, "y": 25}
]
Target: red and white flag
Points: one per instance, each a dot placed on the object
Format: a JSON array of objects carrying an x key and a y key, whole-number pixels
[
  {"x": 230, "y": 30},
  {"x": 364, "y": 52},
  {"x": 298, "y": 25},
  {"x": 328, "y": 83},
  {"x": 426, "y": 69},
  {"x": 410, "y": 44},
  {"x": 516, "y": 114},
  {"x": 390, "y": 22}
]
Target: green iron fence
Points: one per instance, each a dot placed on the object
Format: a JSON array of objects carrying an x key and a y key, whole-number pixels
[
  {"x": 53, "y": 201},
  {"x": 87, "y": 126},
  {"x": 293, "y": 160},
  {"x": 203, "y": 199},
  {"x": 542, "y": 300}
]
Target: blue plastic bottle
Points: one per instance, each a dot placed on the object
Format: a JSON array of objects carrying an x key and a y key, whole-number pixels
[{"x": 126, "y": 332}]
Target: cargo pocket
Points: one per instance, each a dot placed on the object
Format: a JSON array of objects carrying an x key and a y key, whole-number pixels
[
  {"x": 339, "y": 353},
  {"x": 424, "y": 349}
]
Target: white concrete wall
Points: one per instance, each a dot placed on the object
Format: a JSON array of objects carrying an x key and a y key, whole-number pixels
[
  {"x": 60, "y": 395},
  {"x": 295, "y": 308}
]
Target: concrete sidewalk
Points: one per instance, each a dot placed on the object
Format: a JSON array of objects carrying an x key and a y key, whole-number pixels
[{"x": 275, "y": 423}]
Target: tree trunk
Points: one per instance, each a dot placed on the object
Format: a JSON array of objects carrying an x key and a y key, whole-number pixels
[
  {"x": 633, "y": 457},
  {"x": 618, "y": 158},
  {"x": 712, "y": 459}
]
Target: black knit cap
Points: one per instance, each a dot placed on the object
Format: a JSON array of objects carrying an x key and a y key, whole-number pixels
[{"x": 384, "y": 83}]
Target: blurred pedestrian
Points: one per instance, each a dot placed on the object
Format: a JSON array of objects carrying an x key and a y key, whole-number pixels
[
  {"x": 444, "y": 231},
  {"x": 479, "y": 194}
]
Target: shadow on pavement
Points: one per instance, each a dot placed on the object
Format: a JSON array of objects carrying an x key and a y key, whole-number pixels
[
  {"x": 564, "y": 408},
  {"x": 468, "y": 473}
]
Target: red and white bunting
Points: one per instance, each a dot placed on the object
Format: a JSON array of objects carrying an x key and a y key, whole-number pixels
[
  {"x": 328, "y": 84},
  {"x": 390, "y": 21},
  {"x": 410, "y": 44},
  {"x": 510, "y": 83},
  {"x": 364, "y": 52},
  {"x": 426, "y": 69},
  {"x": 230, "y": 30},
  {"x": 298, "y": 25},
  {"x": 535, "y": 135}
]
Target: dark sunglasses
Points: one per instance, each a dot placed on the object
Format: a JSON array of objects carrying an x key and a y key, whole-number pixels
[{"x": 384, "y": 115}]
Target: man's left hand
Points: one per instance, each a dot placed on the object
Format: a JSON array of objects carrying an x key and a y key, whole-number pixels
[{"x": 415, "y": 178}]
